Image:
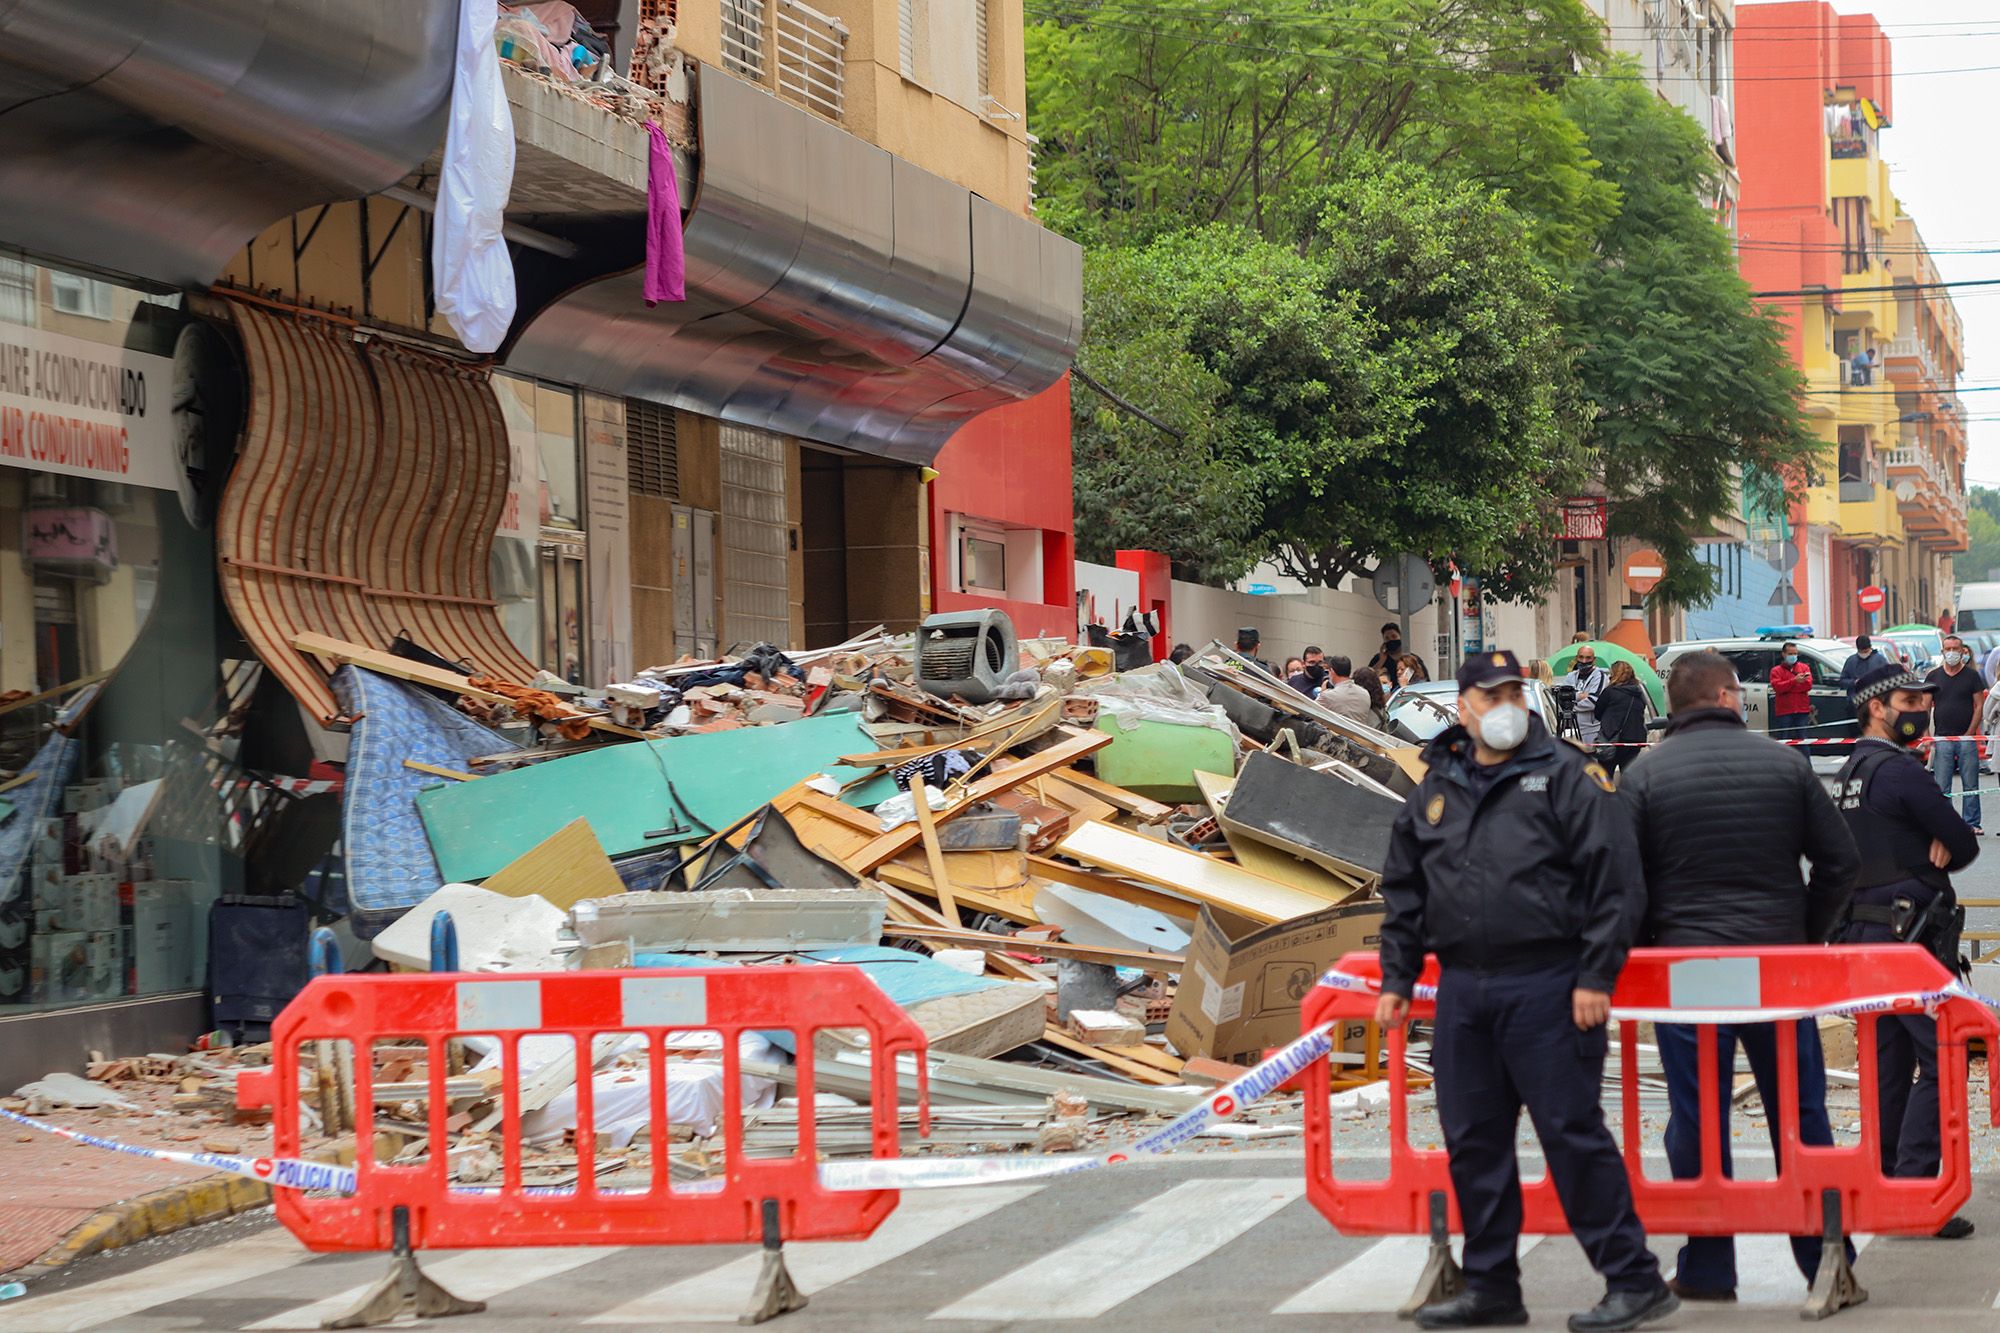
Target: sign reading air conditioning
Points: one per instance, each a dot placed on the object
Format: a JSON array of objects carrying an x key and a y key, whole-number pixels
[{"x": 85, "y": 409}]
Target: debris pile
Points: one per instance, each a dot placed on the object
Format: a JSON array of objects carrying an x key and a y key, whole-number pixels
[{"x": 1098, "y": 892}]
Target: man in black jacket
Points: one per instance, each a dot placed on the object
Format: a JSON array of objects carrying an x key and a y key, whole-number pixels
[
  {"x": 1724, "y": 870},
  {"x": 1514, "y": 863},
  {"x": 1911, "y": 840}
]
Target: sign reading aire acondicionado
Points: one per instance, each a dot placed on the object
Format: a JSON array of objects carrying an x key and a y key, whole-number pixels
[{"x": 85, "y": 409}]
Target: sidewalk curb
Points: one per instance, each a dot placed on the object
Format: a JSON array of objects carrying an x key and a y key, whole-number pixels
[{"x": 207, "y": 1198}]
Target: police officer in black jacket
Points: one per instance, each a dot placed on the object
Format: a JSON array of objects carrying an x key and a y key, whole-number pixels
[
  {"x": 1515, "y": 864},
  {"x": 1910, "y": 840}
]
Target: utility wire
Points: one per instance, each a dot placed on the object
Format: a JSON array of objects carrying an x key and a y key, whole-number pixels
[{"x": 1866, "y": 291}]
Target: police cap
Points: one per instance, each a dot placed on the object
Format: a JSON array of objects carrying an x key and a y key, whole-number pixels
[
  {"x": 1482, "y": 671},
  {"x": 1882, "y": 679}
]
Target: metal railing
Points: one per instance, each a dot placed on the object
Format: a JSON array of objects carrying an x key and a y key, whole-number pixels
[
  {"x": 812, "y": 58},
  {"x": 744, "y": 44}
]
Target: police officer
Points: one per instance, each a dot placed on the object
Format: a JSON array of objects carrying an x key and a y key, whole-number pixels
[
  {"x": 1910, "y": 840},
  {"x": 1515, "y": 863}
]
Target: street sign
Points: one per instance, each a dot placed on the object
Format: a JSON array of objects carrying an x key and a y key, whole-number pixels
[
  {"x": 1643, "y": 570},
  {"x": 1403, "y": 584},
  {"x": 1871, "y": 599}
]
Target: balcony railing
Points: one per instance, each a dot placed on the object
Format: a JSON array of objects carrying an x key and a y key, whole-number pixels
[
  {"x": 789, "y": 47},
  {"x": 1914, "y": 348},
  {"x": 812, "y": 59}
]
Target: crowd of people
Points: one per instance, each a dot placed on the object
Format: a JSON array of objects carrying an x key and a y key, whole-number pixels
[{"x": 1529, "y": 874}]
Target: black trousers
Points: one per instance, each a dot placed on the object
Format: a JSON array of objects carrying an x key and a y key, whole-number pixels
[
  {"x": 1504, "y": 1041},
  {"x": 1906, "y": 1078}
]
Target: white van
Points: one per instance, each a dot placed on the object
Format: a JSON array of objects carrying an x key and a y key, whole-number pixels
[{"x": 1977, "y": 608}]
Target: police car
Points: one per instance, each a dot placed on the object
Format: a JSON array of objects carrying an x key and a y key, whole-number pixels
[{"x": 1755, "y": 655}]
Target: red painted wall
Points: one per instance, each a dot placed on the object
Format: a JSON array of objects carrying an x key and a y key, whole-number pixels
[
  {"x": 1012, "y": 466},
  {"x": 1156, "y": 593}
]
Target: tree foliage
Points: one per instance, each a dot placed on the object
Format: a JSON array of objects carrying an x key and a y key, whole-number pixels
[
  {"x": 1395, "y": 383},
  {"x": 1982, "y": 528},
  {"x": 1159, "y": 115},
  {"x": 1690, "y": 386}
]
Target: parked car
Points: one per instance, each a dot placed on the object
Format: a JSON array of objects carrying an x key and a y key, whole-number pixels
[
  {"x": 1419, "y": 712},
  {"x": 1755, "y": 655},
  {"x": 1924, "y": 643}
]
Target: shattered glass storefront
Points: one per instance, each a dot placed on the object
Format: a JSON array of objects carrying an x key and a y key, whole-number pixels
[{"x": 115, "y": 767}]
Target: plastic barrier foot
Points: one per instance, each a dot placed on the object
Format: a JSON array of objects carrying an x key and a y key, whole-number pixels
[
  {"x": 1442, "y": 1278},
  {"x": 405, "y": 1288},
  {"x": 775, "y": 1293},
  {"x": 1834, "y": 1287}
]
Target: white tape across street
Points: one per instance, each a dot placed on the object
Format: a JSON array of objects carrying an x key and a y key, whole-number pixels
[{"x": 1225, "y": 1103}]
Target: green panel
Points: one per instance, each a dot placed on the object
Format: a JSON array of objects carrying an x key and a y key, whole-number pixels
[
  {"x": 477, "y": 827},
  {"x": 1159, "y": 759}
]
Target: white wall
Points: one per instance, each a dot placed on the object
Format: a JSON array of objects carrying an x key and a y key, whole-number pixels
[
  {"x": 1340, "y": 622},
  {"x": 1104, "y": 594}
]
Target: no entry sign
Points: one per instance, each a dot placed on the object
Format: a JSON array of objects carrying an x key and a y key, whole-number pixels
[
  {"x": 1643, "y": 570},
  {"x": 1871, "y": 599}
]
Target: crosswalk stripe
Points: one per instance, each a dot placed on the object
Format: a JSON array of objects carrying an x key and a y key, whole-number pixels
[
  {"x": 1766, "y": 1273},
  {"x": 1116, "y": 1262},
  {"x": 476, "y": 1275},
  {"x": 1378, "y": 1281},
  {"x": 719, "y": 1295},
  {"x": 127, "y": 1294}
]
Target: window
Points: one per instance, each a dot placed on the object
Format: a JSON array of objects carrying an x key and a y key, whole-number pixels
[
  {"x": 983, "y": 564},
  {"x": 982, "y": 22},
  {"x": 73, "y": 295},
  {"x": 743, "y": 37},
  {"x": 17, "y": 291},
  {"x": 906, "y": 37}
]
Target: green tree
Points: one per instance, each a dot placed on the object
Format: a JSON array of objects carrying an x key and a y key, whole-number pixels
[
  {"x": 1982, "y": 529},
  {"x": 1400, "y": 385},
  {"x": 1159, "y": 115},
  {"x": 1689, "y": 383}
]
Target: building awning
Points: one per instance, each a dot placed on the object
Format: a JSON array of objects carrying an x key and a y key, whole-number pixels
[
  {"x": 156, "y": 138},
  {"x": 835, "y": 293},
  {"x": 363, "y": 502}
]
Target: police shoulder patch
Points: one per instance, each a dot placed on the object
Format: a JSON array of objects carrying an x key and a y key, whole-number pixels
[
  {"x": 1595, "y": 772},
  {"x": 1435, "y": 810}
]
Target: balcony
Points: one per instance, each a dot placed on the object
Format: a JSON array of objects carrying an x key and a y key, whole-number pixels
[
  {"x": 1912, "y": 350},
  {"x": 790, "y": 48}
]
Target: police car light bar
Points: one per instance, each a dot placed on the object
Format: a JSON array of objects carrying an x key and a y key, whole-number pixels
[{"x": 1785, "y": 632}]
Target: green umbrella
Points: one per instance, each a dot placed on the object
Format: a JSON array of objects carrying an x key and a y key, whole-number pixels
[{"x": 1607, "y": 653}]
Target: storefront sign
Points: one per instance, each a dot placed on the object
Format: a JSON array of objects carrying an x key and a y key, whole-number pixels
[
  {"x": 85, "y": 409},
  {"x": 1583, "y": 520},
  {"x": 70, "y": 536}
]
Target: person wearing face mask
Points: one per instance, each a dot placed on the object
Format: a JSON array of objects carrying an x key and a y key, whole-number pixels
[
  {"x": 1589, "y": 681},
  {"x": 1961, "y": 698},
  {"x": 1723, "y": 871},
  {"x": 1791, "y": 694},
  {"x": 1515, "y": 864},
  {"x": 1910, "y": 840}
]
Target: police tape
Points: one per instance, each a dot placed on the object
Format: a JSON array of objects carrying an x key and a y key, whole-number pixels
[
  {"x": 1894, "y": 1002},
  {"x": 290, "y": 1173},
  {"x": 1848, "y": 739},
  {"x": 1223, "y": 1104}
]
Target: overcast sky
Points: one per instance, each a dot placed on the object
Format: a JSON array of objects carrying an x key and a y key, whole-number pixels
[{"x": 1941, "y": 163}]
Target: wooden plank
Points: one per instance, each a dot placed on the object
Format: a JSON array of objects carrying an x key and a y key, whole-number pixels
[
  {"x": 66, "y": 688},
  {"x": 933, "y": 854},
  {"x": 1012, "y": 718},
  {"x": 1203, "y": 878},
  {"x": 1082, "y": 806},
  {"x": 437, "y": 771},
  {"x": 341, "y": 653},
  {"x": 987, "y": 871},
  {"x": 900, "y": 839},
  {"x": 1261, "y": 858},
  {"x": 1010, "y": 906},
  {"x": 1132, "y": 1069},
  {"x": 1140, "y": 895},
  {"x": 565, "y": 868},
  {"x": 1089, "y": 953},
  {"x": 903, "y": 902},
  {"x": 1143, "y": 808},
  {"x": 1148, "y": 1055}
]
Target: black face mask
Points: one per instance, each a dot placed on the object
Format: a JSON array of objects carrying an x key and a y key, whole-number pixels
[{"x": 1909, "y": 728}]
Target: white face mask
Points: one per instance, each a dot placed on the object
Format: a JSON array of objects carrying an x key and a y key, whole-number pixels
[
  {"x": 1503, "y": 726},
  {"x": 1954, "y": 659}
]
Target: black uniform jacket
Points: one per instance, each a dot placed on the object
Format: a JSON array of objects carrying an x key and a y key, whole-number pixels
[{"x": 1535, "y": 866}]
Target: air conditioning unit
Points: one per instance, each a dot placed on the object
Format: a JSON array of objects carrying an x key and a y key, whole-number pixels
[{"x": 966, "y": 653}]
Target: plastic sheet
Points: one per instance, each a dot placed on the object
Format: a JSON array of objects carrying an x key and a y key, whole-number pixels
[
  {"x": 1157, "y": 693},
  {"x": 474, "y": 273}
]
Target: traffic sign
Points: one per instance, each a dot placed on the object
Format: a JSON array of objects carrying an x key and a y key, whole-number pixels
[
  {"x": 1404, "y": 585},
  {"x": 1643, "y": 570},
  {"x": 1871, "y": 599}
]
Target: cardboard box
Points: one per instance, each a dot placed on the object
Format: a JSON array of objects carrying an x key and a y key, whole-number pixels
[
  {"x": 163, "y": 947},
  {"x": 105, "y": 950},
  {"x": 59, "y": 966},
  {"x": 1244, "y": 982},
  {"x": 90, "y": 902}
]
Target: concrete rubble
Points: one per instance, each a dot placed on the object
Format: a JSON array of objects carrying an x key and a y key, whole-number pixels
[{"x": 1034, "y": 918}]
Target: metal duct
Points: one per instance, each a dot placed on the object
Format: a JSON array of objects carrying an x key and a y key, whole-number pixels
[
  {"x": 835, "y": 293},
  {"x": 156, "y": 138}
]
